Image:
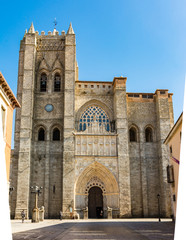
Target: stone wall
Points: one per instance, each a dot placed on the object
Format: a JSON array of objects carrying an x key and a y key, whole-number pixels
[
  {"x": 129, "y": 173},
  {"x": 144, "y": 156}
]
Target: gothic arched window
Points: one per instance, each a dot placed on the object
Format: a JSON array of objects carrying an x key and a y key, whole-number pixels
[
  {"x": 148, "y": 134},
  {"x": 56, "y": 135},
  {"x": 133, "y": 134},
  {"x": 41, "y": 134},
  {"x": 57, "y": 83},
  {"x": 94, "y": 114},
  {"x": 43, "y": 82}
]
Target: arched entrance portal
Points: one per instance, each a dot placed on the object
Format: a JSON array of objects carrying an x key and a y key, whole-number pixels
[
  {"x": 95, "y": 203},
  {"x": 96, "y": 175}
]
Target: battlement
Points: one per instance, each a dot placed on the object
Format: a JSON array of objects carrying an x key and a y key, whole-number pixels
[
  {"x": 53, "y": 33},
  {"x": 93, "y": 87},
  {"x": 149, "y": 96}
]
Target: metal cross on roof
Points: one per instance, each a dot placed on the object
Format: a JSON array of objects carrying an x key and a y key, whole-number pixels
[{"x": 55, "y": 23}]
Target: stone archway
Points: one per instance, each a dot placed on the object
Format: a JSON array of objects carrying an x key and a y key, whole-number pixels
[
  {"x": 96, "y": 175},
  {"x": 95, "y": 203}
]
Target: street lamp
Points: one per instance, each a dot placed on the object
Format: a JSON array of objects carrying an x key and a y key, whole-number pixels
[
  {"x": 158, "y": 196},
  {"x": 35, "y": 213}
]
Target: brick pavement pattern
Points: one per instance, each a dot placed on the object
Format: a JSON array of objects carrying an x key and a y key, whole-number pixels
[{"x": 112, "y": 230}]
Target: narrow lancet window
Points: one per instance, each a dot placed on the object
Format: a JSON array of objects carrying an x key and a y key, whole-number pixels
[
  {"x": 133, "y": 135},
  {"x": 56, "y": 135},
  {"x": 43, "y": 83},
  {"x": 41, "y": 134},
  {"x": 57, "y": 83},
  {"x": 148, "y": 134}
]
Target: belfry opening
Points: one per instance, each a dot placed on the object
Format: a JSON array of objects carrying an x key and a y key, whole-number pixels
[{"x": 95, "y": 203}]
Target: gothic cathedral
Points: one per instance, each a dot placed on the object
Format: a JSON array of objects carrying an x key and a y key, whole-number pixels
[{"x": 93, "y": 147}]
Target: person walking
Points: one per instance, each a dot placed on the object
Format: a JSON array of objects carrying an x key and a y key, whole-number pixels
[
  {"x": 60, "y": 215},
  {"x": 23, "y": 216}
]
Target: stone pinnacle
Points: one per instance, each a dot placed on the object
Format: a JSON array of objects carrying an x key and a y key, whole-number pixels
[
  {"x": 31, "y": 29},
  {"x": 70, "y": 30}
]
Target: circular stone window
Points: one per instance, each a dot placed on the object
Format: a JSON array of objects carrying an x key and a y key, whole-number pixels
[{"x": 49, "y": 107}]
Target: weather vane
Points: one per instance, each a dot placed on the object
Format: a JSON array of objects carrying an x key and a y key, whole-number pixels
[{"x": 55, "y": 23}]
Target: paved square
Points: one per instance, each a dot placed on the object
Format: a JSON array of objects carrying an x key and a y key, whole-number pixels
[{"x": 94, "y": 229}]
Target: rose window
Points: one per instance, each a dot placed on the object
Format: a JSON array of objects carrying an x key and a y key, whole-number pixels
[{"x": 91, "y": 115}]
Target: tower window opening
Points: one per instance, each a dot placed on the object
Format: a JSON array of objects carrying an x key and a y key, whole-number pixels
[
  {"x": 57, "y": 83},
  {"x": 148, "y": 134},
  {"x": 43, "y": 83},
  {"x": 41, "y": 134},
  {"x": 56, "y": 135}
]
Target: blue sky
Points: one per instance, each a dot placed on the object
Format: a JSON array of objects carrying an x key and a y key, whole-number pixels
[{"x": 144, "y": 41}]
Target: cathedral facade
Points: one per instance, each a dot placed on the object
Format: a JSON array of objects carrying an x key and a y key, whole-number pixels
[{"x": 91, "y": 146}]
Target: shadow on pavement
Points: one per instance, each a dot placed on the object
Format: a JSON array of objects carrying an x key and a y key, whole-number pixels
[{"x": 101, "y": 230}]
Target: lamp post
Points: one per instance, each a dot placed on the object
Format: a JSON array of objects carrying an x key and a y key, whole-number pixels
[
  {"x": 158, "y": 196},
  {"x": 35, "y": 213}
]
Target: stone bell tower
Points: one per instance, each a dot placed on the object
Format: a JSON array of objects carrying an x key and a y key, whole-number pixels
[{"x": 44, "y": 151}]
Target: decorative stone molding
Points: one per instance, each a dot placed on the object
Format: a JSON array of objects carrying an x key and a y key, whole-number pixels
[
  {"x": 95, "y": 182},
  {"x": 50, "y": 44},
  {"x": 96, "y": 173},
  {"x": 95, "y": 144}
]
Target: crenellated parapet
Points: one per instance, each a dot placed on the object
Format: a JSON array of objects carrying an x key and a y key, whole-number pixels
[
  {"x": 50, "y": 33},
  {"x": 52, "y": 41}
]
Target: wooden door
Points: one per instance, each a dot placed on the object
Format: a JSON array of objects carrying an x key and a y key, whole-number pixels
[{"x": 95, "y": 203}]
